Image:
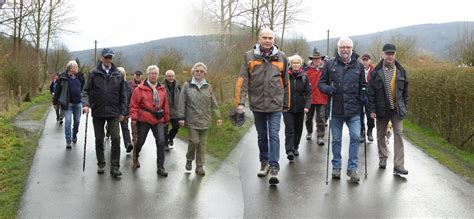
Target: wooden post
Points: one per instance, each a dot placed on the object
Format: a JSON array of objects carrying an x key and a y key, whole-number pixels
[
  {"x": 6, "y": 101},
  {"x": 12, "y": 96},
  {"x": 19, "y": 95}
]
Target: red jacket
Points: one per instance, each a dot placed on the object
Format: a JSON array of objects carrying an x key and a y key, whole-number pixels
[
  {"x": 142, "y": 98},
  {"x": 371, "y": 69},
  {"x": 314, "y": 75}
]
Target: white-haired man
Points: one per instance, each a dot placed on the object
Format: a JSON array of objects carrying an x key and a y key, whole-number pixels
[
  {"x": 264, "y": 78},
  {"x": 68, "y": 94},
  {"x": 343, "y": 79}
]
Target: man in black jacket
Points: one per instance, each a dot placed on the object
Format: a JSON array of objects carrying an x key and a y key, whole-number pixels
[
  {"x": 343, "y": 79},
  {"x": 104, "y": 92},
  {"x": 388, "y": 101}
]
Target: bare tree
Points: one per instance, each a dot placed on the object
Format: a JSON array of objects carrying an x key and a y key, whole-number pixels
[
  {"x": 58, "y": 57},
  {"x": 297, "y": 45},
  {"x": 462, "y": 49},
  {"x": 172, "y": 59}
]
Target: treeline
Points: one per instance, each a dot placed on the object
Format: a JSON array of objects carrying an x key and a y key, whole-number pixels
[{"x": 29, "y": 48}]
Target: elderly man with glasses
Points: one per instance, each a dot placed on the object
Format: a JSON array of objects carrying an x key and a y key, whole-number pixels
[{"x": 344, "y": 81}]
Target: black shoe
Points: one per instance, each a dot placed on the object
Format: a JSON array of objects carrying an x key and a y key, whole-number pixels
[
  {"x": 129, "y": 148},
  {"x": 400, "y": 171},
  {"x": 101, "y": 170},
  {"x": 162, "y": 172},
  {"x": 200, "y": 170},
  {"x": 137, "y": 164},
  {"x": 336, "y": 173},
  {"x": 68, "y": 146},
  {"x": 273, "y": 176},
  {"x": 115, "y": 172},
  {"x": 369, "y": 135},
  {"x": 296, "y": 152},
  {"x": 60, "y": 121},
  {"x": 167, "y": 148},
  {"x": 171, "y": 142},
  {"x": 308, "y": 136},
  {"x": 189, "y": 165},
  {"x": 382, "y": 163},
  {"x": 320, "y": 141},
  {"x": 290, "y": 155},
  {"x": 74, "y": 138}
]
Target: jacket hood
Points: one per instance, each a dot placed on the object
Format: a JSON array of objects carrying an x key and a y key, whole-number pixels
[{"x": 258, "y": 52}]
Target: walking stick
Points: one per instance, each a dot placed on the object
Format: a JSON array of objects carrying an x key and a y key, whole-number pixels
[
  {"x": 365, "y": 146},
  {"x": 329, "y": 139},
  {"x": 85, "y": 143},
  {"x": 134, "y": 136}
]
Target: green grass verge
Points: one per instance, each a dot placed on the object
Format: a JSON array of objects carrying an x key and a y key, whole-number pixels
[
  {"x": 17, "y": 153},
  {"x": 459, "y": 161},
  {"x": 221, "y": 140}
]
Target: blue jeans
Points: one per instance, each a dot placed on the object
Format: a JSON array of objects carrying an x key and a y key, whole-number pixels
[
  {"x": 268, "y": 127},
  {"x": 72, "y": 110},
  {"x": 353, "y": 123}
]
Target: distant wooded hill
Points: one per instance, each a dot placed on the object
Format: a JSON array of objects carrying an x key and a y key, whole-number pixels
[{"x": 431, "y": 39}]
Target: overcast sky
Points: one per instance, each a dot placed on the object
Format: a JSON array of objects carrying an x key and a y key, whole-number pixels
[{"x": 123, "y": 22}]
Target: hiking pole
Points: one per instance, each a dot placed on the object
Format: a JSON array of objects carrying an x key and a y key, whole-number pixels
[
  {"x": 85, "y": 143},
  {"x": 365, "y": 145},
  {"x": 329, "y": 139}
]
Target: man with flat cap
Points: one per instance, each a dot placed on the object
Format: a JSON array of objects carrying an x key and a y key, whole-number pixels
[
  {"x": 104, "y": 93},
  {"x": 388, "y": 101}
]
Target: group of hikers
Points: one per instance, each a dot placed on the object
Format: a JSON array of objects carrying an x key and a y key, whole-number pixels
[{"x": 330, "y": 91}]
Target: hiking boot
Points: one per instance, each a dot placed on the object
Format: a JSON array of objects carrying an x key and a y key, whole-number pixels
[
  {"x": 167, "y": 148},
  {"x": 336, "y": 173},
  {"x": 273, "y": 176},
  {"x": 171, "y": 142},
  {"x": 382, "y": 163},
  {"x": 189, "y": 165},
  {"x": 115, "y": 172},
  {"x": 290, "y": 155},
  {"x": 200, "y": 170},
  {"x": 400, "y": 171},
  {"x": 74, "y": 138},
  {"x": 320, "y": 141},
  {"x": 129, "y": 148},
  {"x": 101, "y": 170},
  {"x": 369, "y": 135},
  {"x": 296, "y": 152},
  {"x": 308, "y": 136},
  {"x": 263, "y": 168},
  {"x": 68, "y": 146},
  {"x": 162, "y": 172},
  {"x": 353, "y": 175},
  {"x": 60, "y": 121}
]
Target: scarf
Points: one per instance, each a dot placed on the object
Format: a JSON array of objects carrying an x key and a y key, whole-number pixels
[
  {"x": 156, "y": 97},
  {"x": 388, "y": 73}
]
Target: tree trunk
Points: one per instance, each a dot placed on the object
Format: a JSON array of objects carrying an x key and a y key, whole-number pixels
[{"x": 284, "y": 24}]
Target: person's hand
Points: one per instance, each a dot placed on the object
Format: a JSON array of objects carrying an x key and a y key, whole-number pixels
[
  {"x": 219, "y": 122},
  {"x": 306, "y": 110},
  {"x": 85, "y": 110},
  {"x": 330, "y": 90},
  {"x": 120, "y": 118},
  {"x": 365, "y": 100},
  {"x": 240, "y": 109},
  {"x": 181, "y": 123},
  {"x": 373, "y": 116}
]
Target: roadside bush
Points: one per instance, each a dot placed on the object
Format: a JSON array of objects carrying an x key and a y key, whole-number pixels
[{"x": 441, "y": 98}]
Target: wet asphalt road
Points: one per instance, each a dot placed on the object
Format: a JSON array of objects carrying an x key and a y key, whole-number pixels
[{"x": 57, "y": 187}]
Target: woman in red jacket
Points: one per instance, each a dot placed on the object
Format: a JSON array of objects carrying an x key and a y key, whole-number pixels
[{"x": 149, "y": 110}]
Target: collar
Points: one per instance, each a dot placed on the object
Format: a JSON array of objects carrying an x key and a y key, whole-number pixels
[{"x": 199, "y": 84}]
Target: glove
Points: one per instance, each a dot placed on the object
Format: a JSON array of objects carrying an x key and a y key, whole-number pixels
[
  {"x": 330, "y": 90},
  {"x": 364, "y": 100}
]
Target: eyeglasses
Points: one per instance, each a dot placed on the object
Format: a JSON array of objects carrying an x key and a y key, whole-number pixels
[
  {"x": 199, "y": 71},
  {"x": 345, "y": 47}
]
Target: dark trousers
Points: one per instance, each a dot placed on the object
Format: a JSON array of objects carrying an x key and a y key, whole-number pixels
[
  {"x": 320, "y": 119},
  {"x": 293, "y": 129},
  {"x": 125, "y": 132},
  {"x": 158, "y": 131},
  {"x": 114, "y": 130},
  {"x": 169, "y": 135},
  {"x": 370, "y": 121}
]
